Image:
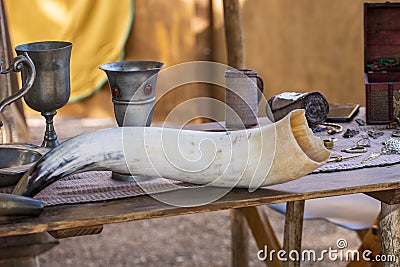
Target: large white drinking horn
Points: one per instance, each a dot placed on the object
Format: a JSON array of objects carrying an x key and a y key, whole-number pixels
[{"x": 271, "y": 154}]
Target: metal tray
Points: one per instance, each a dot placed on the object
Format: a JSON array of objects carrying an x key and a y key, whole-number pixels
[{"x": 16, "y": 159}]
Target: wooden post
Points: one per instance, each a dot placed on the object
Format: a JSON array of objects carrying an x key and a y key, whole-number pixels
[
  {"x": 262, "y": 232},
  {"x": 293, "y": 231},
  {"x": 389, "y": 224},
  {"x": 240, "y": 239},
  {"x": 234, "y": 46},
  {"x": 13, "y": 115},
  {"x": 233, "y": 33},
  {"x": 390, "y": 232}
]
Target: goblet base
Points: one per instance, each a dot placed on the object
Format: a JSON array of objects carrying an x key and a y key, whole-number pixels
[{"x": 50, "y": 136}]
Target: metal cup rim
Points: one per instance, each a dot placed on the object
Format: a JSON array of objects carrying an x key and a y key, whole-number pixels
[
  {"x": 240, "y": 73},
  {"x": 43, "y": 46},
  {"x": 118, "y": 66}
]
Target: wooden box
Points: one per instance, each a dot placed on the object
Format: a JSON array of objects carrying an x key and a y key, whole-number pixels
[{"x": 382, "y": 61}]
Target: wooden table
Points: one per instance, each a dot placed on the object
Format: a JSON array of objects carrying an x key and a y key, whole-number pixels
[{"x": 70, "y": 220}]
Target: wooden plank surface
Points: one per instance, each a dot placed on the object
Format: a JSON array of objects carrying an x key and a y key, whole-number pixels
[
  {"x": 293, "y": 231},
  {"x": 145, "y": 207}
]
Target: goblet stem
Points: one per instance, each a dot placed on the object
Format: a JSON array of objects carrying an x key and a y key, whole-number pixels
[{"x": 50, "y": 136}]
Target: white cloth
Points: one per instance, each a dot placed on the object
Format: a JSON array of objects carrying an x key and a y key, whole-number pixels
[{"x": 355, "y": 212}]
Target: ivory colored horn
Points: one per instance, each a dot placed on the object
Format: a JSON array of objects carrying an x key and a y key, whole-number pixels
[{"x": 261, "y": 156}]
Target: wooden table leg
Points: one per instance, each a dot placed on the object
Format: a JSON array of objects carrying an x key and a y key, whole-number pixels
[
  {"x": 263, "y": 233},
  {"x": 240, "y": 239},
  {"x": 390, "y": 233},
  {"x": 22, "y": 251},
  {"x": 370, "y": 241},
  {"x": 293, "y": 232}
]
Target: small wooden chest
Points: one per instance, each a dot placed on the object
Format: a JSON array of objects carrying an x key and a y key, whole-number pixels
[{"x": 382, "y": 61}]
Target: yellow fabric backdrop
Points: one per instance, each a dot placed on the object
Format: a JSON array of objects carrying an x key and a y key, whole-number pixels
[{"x": 98, "y": 30}]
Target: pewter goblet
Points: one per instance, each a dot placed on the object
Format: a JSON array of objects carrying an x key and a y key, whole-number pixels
[
  {"x": 51, "y": 88},
  {"x": 132, "y": 84}
]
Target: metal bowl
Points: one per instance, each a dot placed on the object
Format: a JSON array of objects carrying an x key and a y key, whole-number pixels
[{"x": 16, "y": 159}]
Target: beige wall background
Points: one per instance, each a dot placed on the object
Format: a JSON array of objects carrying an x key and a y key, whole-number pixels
[{"x": 295, "y": 45}]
